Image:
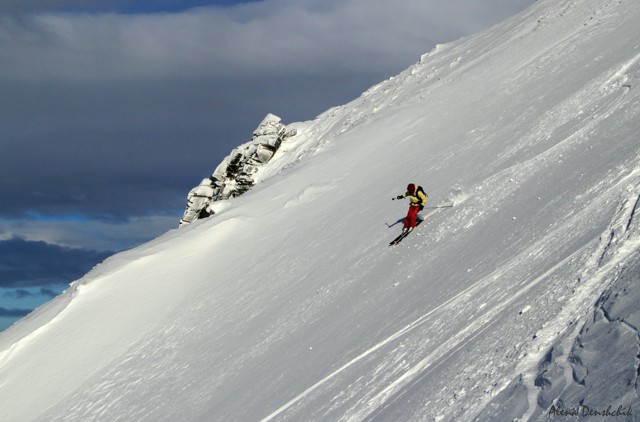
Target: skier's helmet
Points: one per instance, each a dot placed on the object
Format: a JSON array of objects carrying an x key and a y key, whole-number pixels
[{"x": 411, "y": 187}]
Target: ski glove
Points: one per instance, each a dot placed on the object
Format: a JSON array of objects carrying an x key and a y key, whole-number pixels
[{"x": 399, "y": 197}]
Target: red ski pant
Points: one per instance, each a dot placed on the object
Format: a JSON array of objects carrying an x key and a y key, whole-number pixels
[{"x": 410, "y": 221}]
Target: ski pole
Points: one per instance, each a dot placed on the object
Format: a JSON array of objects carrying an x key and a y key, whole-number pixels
[{"x": 440, "y": 206}]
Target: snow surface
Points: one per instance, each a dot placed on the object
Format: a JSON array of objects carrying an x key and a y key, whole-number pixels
[{"x": 288, "y": 304}]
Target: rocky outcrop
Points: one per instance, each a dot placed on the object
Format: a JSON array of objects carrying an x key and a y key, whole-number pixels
[{"x": 236, "y": 173}]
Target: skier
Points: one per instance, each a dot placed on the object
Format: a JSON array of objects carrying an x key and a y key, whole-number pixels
[{"x": 417, "y": 199}]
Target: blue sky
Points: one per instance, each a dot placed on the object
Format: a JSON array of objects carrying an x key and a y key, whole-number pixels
[{"x": 110, "y": 114}]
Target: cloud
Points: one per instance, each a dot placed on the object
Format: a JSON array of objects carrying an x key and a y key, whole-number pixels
[
  {"x": 271, "y": 37},
  {"x": 25, "y": 264},
  {"x": 97, "y": 235},
  {"x": 13, "y": 313},
  {"x": 16, "y": 7},
  {"x": 28, "y": 294},
  {"x": 18, "y": 294}
]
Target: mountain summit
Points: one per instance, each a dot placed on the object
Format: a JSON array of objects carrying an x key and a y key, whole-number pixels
[{"x": 520, "y": 302}]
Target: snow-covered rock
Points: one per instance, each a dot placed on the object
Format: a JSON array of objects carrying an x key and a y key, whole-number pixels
[
  {"x": 236, "y": 173},
  {"x": 198, "y": 202}
]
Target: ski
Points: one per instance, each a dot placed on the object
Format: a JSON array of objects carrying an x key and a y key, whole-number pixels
[
  {"x": 399, "y": 238},
  {"x": 404, "y": 234},
  {"x": 422, "y": 218}
]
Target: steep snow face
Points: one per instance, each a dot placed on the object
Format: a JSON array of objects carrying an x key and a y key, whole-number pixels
[{"x": 288, "y": 304}]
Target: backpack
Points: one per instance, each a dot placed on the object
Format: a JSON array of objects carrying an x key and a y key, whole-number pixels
[{"x": 419, "y": 189}]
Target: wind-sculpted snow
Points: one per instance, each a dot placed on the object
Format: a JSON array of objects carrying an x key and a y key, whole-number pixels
[{"x": 519, "y": 302}]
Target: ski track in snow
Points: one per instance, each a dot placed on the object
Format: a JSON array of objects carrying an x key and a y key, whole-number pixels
[{"x": 415, "y": 324}]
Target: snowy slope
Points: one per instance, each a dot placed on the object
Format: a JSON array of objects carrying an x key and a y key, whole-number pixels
[{"x": 289, "y": 305}]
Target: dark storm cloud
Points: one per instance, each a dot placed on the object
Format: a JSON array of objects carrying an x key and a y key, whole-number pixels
[
  {"x": 120, "y": 6},
  {"x": 24, "y": 294},
  {"x": 25, "y": 264},
  {"x": 13, "y": 313},
  {"x": 135, "y": 148},
  {"x": 18, "y": 294},
  {"x": 104, "y": 151},
  {"x": 28, "y": 6}
]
